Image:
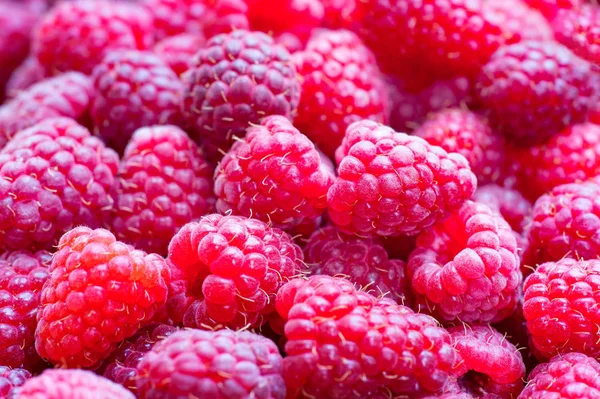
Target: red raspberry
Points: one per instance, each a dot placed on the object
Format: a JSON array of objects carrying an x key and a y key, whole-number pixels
[
  {"x": 164, "y": 183},
  {"x": 532, "y": 90},
  {"x": 508, "y": 203},
  {"x": 72, "y": 384},
  {"x": 121, "y": 366},
  {"x": 464, "y": 132},
  {"x": 11, "y": 380},
  {"x": 573, "y": 375},
  {"x": 173, "y": 17},
  {"x": 53, "y": 176},
  {"x": 452, "y": 395},
  {"x": 551, "y": 7},
  {"x": 341, "y": 84},
  {"x": 178, "y": 51},
  {"x": 343, "y": 343},
  {"x": 77, "y": 35},
  {"x": 133, "y": 89},
  {"x": 363, "y": 261},
  {"x": 99, "y": 293},
  {"x": 66, "y": 95},
  {"x": 274, "y": 175},
  {"x": 229, "y": 15},
  {"x": 467, "y": 267},
  {"x": 579, "y": 30},
  {"x": 390, "y": 183},
  {"x": 299, "y": 17},
  {"x": 520, "y": 19},
  {"x": 234, "y": 267},
  {"x": 236, "y": 80},
  {"x": 341, "y": 13},
  {"x": 25, "y": 75}
]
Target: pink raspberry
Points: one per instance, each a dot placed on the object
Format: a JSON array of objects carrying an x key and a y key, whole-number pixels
[
  {"x": 508, "y": 203},
  {"x": 390, "y": 183},
  {"x": 100, "y": 292},
  {"x": 228, "y": 16},
  {"x": 11, "y": 380},
  {"x": 579, "y": 30},
  {"x": 163, "y": 183},
  {"x": 178, "y": 51},
  {"x": 298, "y": 17},
  {"x": 551, "y": 7},
  {"x": 25, "y": 75},
  {"x": 173, "y": 17},
  {"x": 275, "y": 175},
  {"x": 517, "y": 17},
  {"x": 467, "y": 267}
]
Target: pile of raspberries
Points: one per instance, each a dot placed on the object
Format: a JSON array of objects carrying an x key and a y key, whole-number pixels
[{"x": 287, "y": 199}]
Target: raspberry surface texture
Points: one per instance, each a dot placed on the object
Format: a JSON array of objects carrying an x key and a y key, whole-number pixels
[
  {"x": 579, "y": 30},
  {"x": 11, "y": 380},
  {"x": 509, "y": 203},
  {"x": 298, "y": 17},
  {"x": 173, "y": 17},
  {"x": 25, "y": 75},
  {"x": 550, "y": 8},
  {"x": 178, "y": 51}
]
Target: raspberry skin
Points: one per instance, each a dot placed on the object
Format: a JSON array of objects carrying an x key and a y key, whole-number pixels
[
  {"x": 508, "y": 203},
  {"x": 579, "y": 30},
  {"x": 517, "y": 17},
  {"x": 237, "y": 79},
  {"x": 515, "y": 87},
  {"x": 275, "y": 175},
  {"x": 212, "y": 364},
  {"x": 71, "y": 384},
  {"x": 163, "y": 183},
  {"x": 466, "y": 133},
  {"x": 549, "y": 8},
  {"x": 133, "y": 89},
  {"x": 393, "y": 184},
  {"x": 234, "y": 267},
  {"x": 298, "y": 17},
  {"x": 25, "y": 75},
  {"x": 173, "y": 17},
  {"x": 178, "y": 51},
  {"x": 100, "y": 292},
  {"x": 467, "y": 267},
  {"x": 11, "y": 380},
  {"x": 54, "y": 176},
  {"x": 76, "y": 36},
  {"x": 341, "y": 84}
]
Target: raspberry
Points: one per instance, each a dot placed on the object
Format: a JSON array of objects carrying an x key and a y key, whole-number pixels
[
  {"x": 508, "y": 203},
  {"x": 295, "y": 16},
  {"x": 133, "y": 89},
  {"x": 532, "y": 90},
  {"x": 72, "y": 384},
  {"x": 520, "y": 19},
  {"x": 464, "y": 132},
  {"x": 77, "y": 35},
  {"x": 390, "y": 183},
  {"x": 11, "y": 380},
  {"x": 25, "y": 75},
  {"x": 341, "y": 84},
  {"x": 100, "y": 292},
  {"x": 234, "y": 267},
  {"x": 178, "y": 51},
  {"x": 274, "y": 175},
  {"x": 173, "y": 17},
  {"x": 551, "y": 7},
  {"x": 363, "y": 261},
  {"x": 54, "y": 176},
  {"x": 341, "y": 13},
  {"x": 344, "y": 343},
  {"x": 573, "y": 375},
  {"x": 164, "y": 183},
  {"x": 579, "y": 30},
  {"x": 229, "y": 15},
  {"x": 121, "y": 367},
  {"x": 212, "y": 364},
  {"x": 66, "y": 95},
  {"x": 237, "y": 79},
  {"x": 467, "y": 267}
]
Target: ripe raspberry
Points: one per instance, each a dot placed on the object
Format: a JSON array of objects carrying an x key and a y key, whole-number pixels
[
  {"x": 299, "y": 17},
  {"x": 341, "y": 14},
  {"x": 173, "y": 17},
  {"x": 341, "y": 84},
  {"x": 532, "y": 90},
  {"x": 344, "y": 343},
  {"x": 72, "y": 384},
  {"x": 390, "y": 183},
  {"x": 453, "y": 395},
  {"x": 100, "y": 292},
  {"x": 121, "y": 366},
  {"x": 520, "y": 19},
  {"x": 274, "y": 175},
  {"x": 66, "y": 95},
  {"x": 25, "y": 75},
  {"x": 228, "y": 15},
  {"x": 77, "y": 35},
  {"x": 212, "y": 364},
  {"x": 508, "y": 203},
  {"x": 464, "y": 132},
  {"x": 551, "y": 7},
  {"x": 11, "y": 380},
  {"x": 573, "y": 375},
  {"x": 467, "y": 267},
  {"x": 234, "y": 267},
  {"x": 236, "y": 80},
  {"x": 54, "y": 176},
  {"x": 133, "y": 89},
  {"x": 363, "y": 261},
  {"x": 164, "y": 183},
  {"x": 178, "y": 51},
  {"x": 579, "y": 30}
]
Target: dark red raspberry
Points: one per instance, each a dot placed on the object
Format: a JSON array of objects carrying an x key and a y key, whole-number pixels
[
  {"x": 77, "y": 35},
  {"x": 299, "y": 17},
  {"x": 390, "y": 183},
  {"x": 173, "y": 17},
  {"x": 532, "y": 90},
  {"x": 573, "y": 375},
  {"x": 341, "y": 13},
  {"x": 452, "y": 395},
  {"x": 464, "y": 132},
  {"x": 228, "y": 15},
  {"x": 178, "y": 51},
  {"x": 99, "y": 293},
  {"x": 341, "y": 84},
  {"x": 121, "y": 366},
  {"x": 69, "y": 95},
  {"x": 234, "y": 267},
  {"x": 236, "y": 80},
  {"x": 467, "y": 267},
  {"x": 212, "y": 364},
  {"x": 579, "y": 30},
  {"x": 163, "y": 183},
  {"x": 133, "y": 89},
  {"x": 509, "y": 203},
  {"x": 363, "y": 261},
  {"x": 53, "y": 176},
  {"x": 71, "y": 384},
  {"x": 25, "y": 75},
  {"x": 551, "y": 7},
  {"x": 343, "y": 343},
  {"x": 11, "y": 380},
  {"x": 275, "y": 175}
]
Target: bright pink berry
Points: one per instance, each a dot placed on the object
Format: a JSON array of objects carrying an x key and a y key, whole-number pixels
[
  {"x": 551, "y": 7},
  {"x": 178, "y": 51},
  {"x": 25, "y": 75},
  {"x": 11, "y": 380},
  {"x": 579, "y": 30},
  {"x": 508, "y": 203},
  {"x": 517, "y": 17},
  {"x": 173, "y": 17},
  {"x": 298, "y": 17}
]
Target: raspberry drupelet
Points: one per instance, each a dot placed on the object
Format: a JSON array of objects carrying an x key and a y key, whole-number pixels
[
  {"x": 579, "y": 30},
  {"x": 508, "y": 203},
  {"x": 11, "y": 380},
  {"x": 178, "y": 51}
]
